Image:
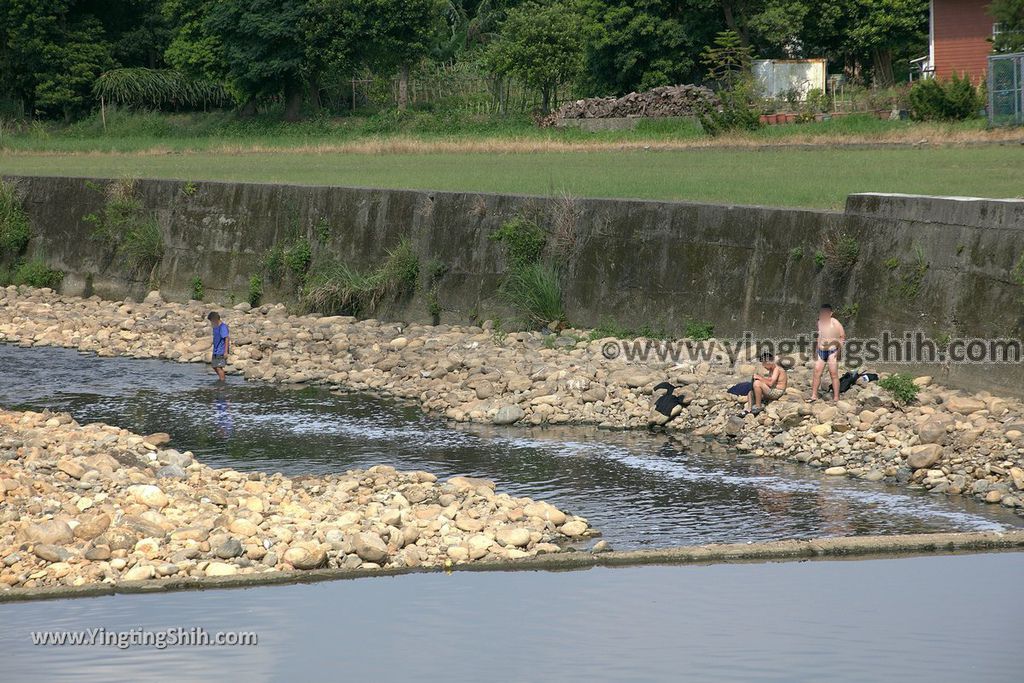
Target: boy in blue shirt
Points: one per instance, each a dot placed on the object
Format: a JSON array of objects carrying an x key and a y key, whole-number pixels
[{"x": 221, "y": 344}]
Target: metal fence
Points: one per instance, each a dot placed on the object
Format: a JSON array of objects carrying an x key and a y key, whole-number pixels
[{"x": 1006, "y": 90}]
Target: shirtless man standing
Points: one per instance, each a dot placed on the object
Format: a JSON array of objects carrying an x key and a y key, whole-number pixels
[{"x": 831, "y": 338}]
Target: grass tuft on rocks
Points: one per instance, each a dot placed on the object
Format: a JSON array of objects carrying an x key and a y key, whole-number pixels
[
  {"x": 535, "y": 293},
  {"x": 900, "y": 387}
]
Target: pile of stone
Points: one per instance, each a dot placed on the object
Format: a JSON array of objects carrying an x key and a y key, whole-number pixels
[
  {"x": 947, "y": 441},
  {"x": 668, "y": 100},
  {"x": 95, "y": 504}
]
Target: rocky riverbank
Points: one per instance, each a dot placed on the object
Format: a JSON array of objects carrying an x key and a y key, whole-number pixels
[
  {"x": 947, "y": 441},
  {"x": 87, "y": 504}
]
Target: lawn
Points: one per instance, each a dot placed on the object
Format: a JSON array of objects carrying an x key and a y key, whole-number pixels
[{"x": 811, "y": 177}]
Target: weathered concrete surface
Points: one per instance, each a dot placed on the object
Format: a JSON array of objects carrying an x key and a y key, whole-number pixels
[
  {"x": 939, "y": 265},
  {"x": 861, "y": 547}
]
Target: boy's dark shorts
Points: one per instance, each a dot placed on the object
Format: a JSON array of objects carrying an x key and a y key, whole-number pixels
[{"x": 218, "y": 361}]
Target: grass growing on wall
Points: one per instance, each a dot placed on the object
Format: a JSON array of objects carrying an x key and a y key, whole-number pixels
[
  {"x": 337, "y": 288},
  {"x": 14, "y": 227},
  {"x": 127, "y": 229},
  {"x": 535, "y": 293}
]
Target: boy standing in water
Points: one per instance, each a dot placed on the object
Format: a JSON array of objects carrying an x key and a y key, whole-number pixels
[
  {"x": 221, "y": 344},
  {"x": 831, "y": 338}
]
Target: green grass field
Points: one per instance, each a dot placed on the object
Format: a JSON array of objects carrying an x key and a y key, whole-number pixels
[{"x": 770, "y": 176}]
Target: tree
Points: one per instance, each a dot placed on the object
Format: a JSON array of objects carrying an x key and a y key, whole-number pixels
[
  {"x": 50, "y": 52},
  {"x": 398, "y": 33},
  {"x": 542, "y": 45},
  {"x": 1009, "y": 14},
  {"x": 261, "y": 48},
  {"x": 639, "y": 45}
]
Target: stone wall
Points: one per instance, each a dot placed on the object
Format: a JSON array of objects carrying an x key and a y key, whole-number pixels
[{"x": 939, "y": 265}]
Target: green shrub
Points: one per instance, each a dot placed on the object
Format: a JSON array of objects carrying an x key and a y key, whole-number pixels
[
  {"x": 524, "y": 241},
  {"x": 901, "y": 388},
  {"x": 535, "y": 293},
  {"x": 14, "y": 227},
  {"x": 323, "y": 230},
  {"x": 35, "y": 273},
  {"x": 298, "y": 257},
  {"x": 255, "y": 291},
  {"x": 738, "y": 111},
  {"x": 699, "y": 330},
  {"x": 954, "y": 100},
  {"x": 198, "y": 292},
  {"x": 796, "y": 253},
  {"x": 273, "y": 264}
]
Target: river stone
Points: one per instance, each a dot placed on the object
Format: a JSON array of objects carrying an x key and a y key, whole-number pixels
[
  {"x": 306, "y": 555},
  {"x": 964, "y": 404},
  {"x": 92, "y": 526},
  {"x": 835, "y": 471},
  {"x": 71, "y": 468},
  {"x": 229, "y": 548},
  {"x": 49, "y": 532},
  {"x": 512, "y": 536},
  {"x": 1017, "y": 475},
  {"x": 466, "y": 523},
  {"x": 932, "y": 431},
  {"x": 158, "y": 439},
  {"x": 573, "y": 528},
  {"x": 50, "y": 553},
  {"x": 370, "y": 546},
  {"x": 171, "y": 472},
  {"x": 140, "y": 572},
  {"x": 149, "y": 495},
  {"x": 97, "y": 553},
  {"x": 154, "y": 297},
  {"x": 243, "y": 527},
  {"x": 507, "y": 415},
  {"x": 220, "y": 569},
  {"x": 118, "y": 538},
  {"x": 545, "y": 511},
  {"x": 924, "y": 456}
]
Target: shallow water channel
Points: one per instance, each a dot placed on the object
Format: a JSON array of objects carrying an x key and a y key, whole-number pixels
[{"x": 639, "y": 489}]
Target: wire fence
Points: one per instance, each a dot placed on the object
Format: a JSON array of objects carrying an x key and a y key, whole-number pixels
[
  {"x": 1006, "y": 90},
  {"x": 453, "y": 87}
]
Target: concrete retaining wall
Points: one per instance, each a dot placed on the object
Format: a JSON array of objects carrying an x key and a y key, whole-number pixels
[{"x": 940, "y": 265}]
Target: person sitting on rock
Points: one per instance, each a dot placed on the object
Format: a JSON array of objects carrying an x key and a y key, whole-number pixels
[
  {"x": 768, "y": 387},
  {"x": 221, "y": 344}
]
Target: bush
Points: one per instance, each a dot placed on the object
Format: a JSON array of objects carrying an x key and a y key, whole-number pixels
[
  {"x": 35, "y": 273},
  {"x": 901, "y": 388},
  {"x": 14, "y": 228},
  {"x": 737, "y": 112},
  {"x": 255, "y": 291},
  {"x": 699, "y": 330},
  {"x": 524, "y": 241},
  {"x": 298, "y": 257},
  {"x": 198, "y": 291},
  {"x": 535, "y": 293},
  {"x": 954, "y": 100}
]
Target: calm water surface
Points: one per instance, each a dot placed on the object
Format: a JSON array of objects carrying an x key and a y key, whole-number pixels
[
  {"x": 946, "y": 619},
  {"x": 640, "y": 489}
]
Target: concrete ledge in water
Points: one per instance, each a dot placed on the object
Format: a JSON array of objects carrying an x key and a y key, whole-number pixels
[{"x": 821, "y": 548}]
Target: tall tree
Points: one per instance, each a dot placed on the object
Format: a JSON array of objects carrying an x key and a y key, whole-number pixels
[
  {"x": 262, "y": 48},
  {"x": 398, "y": 33},
  {"x": 1009, "y": 14},
  {"x": 635, "y": 45},
  {"x": 542, "y": 45},
  {"x": 50, "y": 54}
]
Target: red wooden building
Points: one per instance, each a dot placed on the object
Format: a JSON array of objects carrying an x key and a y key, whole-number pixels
[{"x": 959, "y": 38}]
